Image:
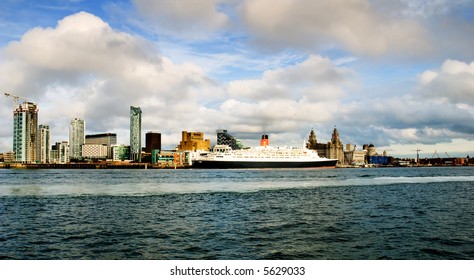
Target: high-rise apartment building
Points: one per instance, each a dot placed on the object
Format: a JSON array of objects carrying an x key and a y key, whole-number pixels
[
  {"x": 76, "y": 138},
  {"x": 44, "y": 144},
  {"x": 135, "y": 133},
  {"x": 25, "y": 132},
  {"x": 152, "y": 141}
]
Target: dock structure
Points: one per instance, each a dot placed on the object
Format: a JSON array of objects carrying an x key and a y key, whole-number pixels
[{"x": 99, "y": 165}]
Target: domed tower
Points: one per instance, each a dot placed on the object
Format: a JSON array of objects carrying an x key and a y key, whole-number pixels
[
  {"x": 335, "y": 147},
  {"x": 371, "y": 151},
  {"x": 312, "y": 142},
  {"x": 335, "y": 139}
]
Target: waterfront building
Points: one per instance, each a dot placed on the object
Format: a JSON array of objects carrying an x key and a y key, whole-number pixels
[
  {"x": 64, "y": 152},
  {"x": 44, "y": 144},
  {"x": 171, "y": 158},
  {"x": 107, "y": 139},
  {"x": 333, "y": 149},
  {"x": 60, "y": 152},
  {"x": 194, "y": 141},
  {"x": 353, "y": 156},
  {"x": 224, "y": 138},
  {"x": 25, "y": 132},
  {"x": 152, "y": 141},
  {"x": 94, "y": 151},
  {"x": 76, "y": 138},
  {"x": 120, "y": 152},
  {"x": 9, "y": 157},
  {"x": 135, "y": 133},
  {"x": 313, "y": 144},
  {"x": 371, "y": 150},
  {"x": 53, "y": 155}
]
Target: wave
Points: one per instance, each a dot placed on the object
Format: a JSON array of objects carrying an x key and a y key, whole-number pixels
[{"x": 153, "y": 188}]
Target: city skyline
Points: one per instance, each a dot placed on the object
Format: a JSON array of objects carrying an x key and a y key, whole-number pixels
[{"x": 397, "y": 74}]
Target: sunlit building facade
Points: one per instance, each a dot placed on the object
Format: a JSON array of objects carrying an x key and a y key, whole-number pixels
[
  {"x": 25, "y": 132},
  {"x": 194, "y": 141}
]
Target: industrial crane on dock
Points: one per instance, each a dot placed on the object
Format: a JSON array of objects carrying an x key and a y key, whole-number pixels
[{"x": 417, "y": 155}]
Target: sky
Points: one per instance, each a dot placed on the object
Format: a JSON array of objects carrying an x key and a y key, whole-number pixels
[{"x": 398, "y": 74}]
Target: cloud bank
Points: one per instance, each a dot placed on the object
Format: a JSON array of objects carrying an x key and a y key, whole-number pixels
[{"x": 289, "y": 68}]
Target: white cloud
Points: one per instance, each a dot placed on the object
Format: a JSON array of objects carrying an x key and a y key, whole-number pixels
[
  {"x": 353, "y": 25},
  {"x": 427, "y": 76},
  {"x": 453, "y": 83},
  {"x": 187, "y": 17},
  {"x": 315, "y": 79}
]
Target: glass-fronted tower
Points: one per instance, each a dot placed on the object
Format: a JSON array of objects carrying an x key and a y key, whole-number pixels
[
  {"x": 135, "y": 133},
  {"x": 25, "y": 132},
  {"x": 44, "y": 144},
  {"x": 76, "y": 138},
  {"x": 224, "y": 138}
]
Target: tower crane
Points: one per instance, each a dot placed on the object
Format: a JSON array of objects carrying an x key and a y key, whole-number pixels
[{"x": 15, "y": 99}]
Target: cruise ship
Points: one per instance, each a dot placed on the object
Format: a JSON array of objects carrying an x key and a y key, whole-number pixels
[{"x": 264, "y": 156}]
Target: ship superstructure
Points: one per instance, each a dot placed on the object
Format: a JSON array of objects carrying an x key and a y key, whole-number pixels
[{"x": 264, "y": 156}]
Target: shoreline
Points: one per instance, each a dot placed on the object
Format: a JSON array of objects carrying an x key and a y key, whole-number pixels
[
  {"x": 97, "y": 165},
  {"x": 137, "y": 165}
]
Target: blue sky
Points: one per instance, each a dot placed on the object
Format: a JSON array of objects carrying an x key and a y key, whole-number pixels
[{"x": 398, "y": 74}]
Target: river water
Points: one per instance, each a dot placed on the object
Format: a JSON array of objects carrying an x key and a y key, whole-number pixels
[{"x": 297, "y": 214}]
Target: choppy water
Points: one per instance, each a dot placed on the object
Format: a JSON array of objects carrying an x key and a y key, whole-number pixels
[{"x": 386, "y": 213}]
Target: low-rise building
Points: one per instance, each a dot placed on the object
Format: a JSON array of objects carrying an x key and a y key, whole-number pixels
[
  {"x": 194, "y": 141},
  {"x": 94, "y": 151},
  {"x": 107, "y": 139},
  {"x": 8, "y": 157},
  {"x": 59, "y": 152},
  {"x": 120, "y": 152}
]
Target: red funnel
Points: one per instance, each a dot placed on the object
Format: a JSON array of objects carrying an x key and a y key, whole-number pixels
[{"x": 264, "y": 141}]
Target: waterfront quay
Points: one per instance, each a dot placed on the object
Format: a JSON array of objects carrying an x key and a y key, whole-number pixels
[
  {"x": 95, "y": 165},
  {"x": 168, "y": 165}
]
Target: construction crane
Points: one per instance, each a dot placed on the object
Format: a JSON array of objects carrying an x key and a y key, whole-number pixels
[
  {"x": 417, "y": 155},
  {"x": 15, "y": 99},
  {"x": 435, "y": 153}
]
